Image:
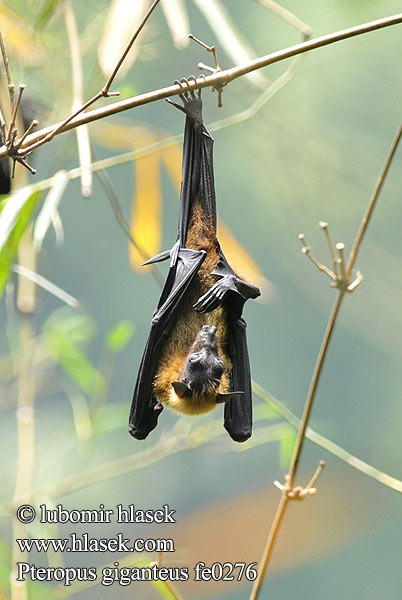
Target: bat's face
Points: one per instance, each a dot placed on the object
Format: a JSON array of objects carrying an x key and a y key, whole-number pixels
[
  {"x": 196, "y": 391},
  {"x": 203, "y": 368}
]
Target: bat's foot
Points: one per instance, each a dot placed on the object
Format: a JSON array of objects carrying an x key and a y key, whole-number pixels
[
  {"x": 217, "y": 293},
  {"x": 192, "y": 105}
]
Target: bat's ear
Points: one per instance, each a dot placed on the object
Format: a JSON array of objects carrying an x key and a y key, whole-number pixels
[
  {"x": 180, "y": 388},
  {"x": 221, "y": 398}
]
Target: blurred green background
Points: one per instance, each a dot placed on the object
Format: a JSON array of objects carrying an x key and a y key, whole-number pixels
[{"x": 312, "y": 153}]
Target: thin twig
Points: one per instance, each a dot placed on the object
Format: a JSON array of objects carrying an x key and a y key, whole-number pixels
[
  {"x": 290, "y": 478},
  {"x": 324, "y": 226},
  {"x": 371, "y": 206},
  {"x": 8, "y": 73},
  {"x": 106, "y": 88},
  {"x": 10, "y": 133},
  {"x": 122, "y": 221},
  {"x": 307, "y": 251},
  {"x": 221, "y": 78}
]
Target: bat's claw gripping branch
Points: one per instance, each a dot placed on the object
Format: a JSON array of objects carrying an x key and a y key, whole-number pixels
[
  {"x": 299, "y": 493},
  {"x": 339, "y": 274},
  {"x": 214, "y": 70}
]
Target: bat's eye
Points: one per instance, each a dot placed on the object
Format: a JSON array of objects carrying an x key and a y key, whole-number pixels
[
  {"x": 221, "y": 363},
  {"x": 196, "y": 356}
]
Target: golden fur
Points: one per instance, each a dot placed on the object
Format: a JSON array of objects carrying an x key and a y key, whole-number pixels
[{"x": 200, "y": 236}]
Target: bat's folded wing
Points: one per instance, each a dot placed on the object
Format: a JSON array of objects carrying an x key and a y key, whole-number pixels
[
  {"x": 239, "y": 410},
  {"x": 143, "y": 415}
]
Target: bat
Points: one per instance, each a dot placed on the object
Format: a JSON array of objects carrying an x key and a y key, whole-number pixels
[{"x": 196, "y": 354}]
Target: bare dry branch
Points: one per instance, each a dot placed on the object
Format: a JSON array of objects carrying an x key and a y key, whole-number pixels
[
  {"x": 217, "y": 79},
  {"x": 8, "y": 73}
]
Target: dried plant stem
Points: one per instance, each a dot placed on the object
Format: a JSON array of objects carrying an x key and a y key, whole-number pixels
[
  {"x": 371, "y": 206},
  {"x": 290, "y": 479},
  {"x": 8, "y": 73},
  {"x": 218, "y": 79},
  {"x": 123, "y": 223},
  {"x": 109, "y": 82},
  {"x": 285, "y": 499}
]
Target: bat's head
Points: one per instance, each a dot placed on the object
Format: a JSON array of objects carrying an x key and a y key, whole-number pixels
[{"x": 201, "y": 374}]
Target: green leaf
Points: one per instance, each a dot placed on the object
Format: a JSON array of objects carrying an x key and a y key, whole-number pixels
[
  {"x": 118, "y": 337},
  {"x": 286, "y": 446},
  {"x": 163, "y": 590},
  {"x": 15, "y": 215},
  {"x": 63, "y": 337},
  {"x": 264, "y": 412},
  {"x": 77, "y": 327},
  {"x": 46, "y": 11}
]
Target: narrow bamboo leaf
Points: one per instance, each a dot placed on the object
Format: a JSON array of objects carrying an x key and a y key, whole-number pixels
[
  {"x": 241, "y": 260},
  {"x": 163, "y": 589},
  {"x": 81, "y": 416},
  {"x": 50, "y": 205},
  {"x": 46, "y": 285},
  {"x": 146, "y": 213},
  {"x": 21, "y": 41},
  {"x": 327, "y": 444},
  {"x": 286, "y": 445},
  {"x": 46, "y": 11},
  {"x": 77, "y": 327},
  {"x": 72, "y": 360},
  {"x": 15, "y": 215},
  {"x": 177, "y": 20},
  {"x": 10, "y": 210},
  {"x": 84, "y": 153},
  {"x": 119, "y": 336},
  {"x": 172, "y": 160},
  {"x": 229, "y": 38},
  {"x": 123, "y": 19}
]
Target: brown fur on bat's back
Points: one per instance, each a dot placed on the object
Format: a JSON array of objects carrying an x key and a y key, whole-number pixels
[{"x": 200, "y": 236}]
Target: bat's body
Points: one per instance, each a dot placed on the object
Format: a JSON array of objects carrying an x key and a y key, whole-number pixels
[{"x": 196, "y": 354}]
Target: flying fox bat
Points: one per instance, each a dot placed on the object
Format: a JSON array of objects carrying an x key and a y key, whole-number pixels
[{"x": 196, "y": 354}]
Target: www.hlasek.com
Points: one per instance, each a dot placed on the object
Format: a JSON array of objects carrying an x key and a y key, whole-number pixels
[{"x": 109, "y": 575}]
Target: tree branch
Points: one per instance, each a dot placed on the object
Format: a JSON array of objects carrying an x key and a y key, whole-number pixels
[{"x": 218, "y": 79}]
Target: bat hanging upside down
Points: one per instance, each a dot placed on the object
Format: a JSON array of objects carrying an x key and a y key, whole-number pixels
[{"x": 196, "y": 354}]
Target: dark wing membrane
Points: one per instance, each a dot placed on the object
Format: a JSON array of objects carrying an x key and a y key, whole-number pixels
[
  {"x": 197, "y": 175},
  {"x": 143, "y": 417},
  {"x": 239, "y": 410}
]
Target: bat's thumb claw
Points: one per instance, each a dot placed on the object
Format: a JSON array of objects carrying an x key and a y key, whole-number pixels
[{"x": 175, "y": 104}]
